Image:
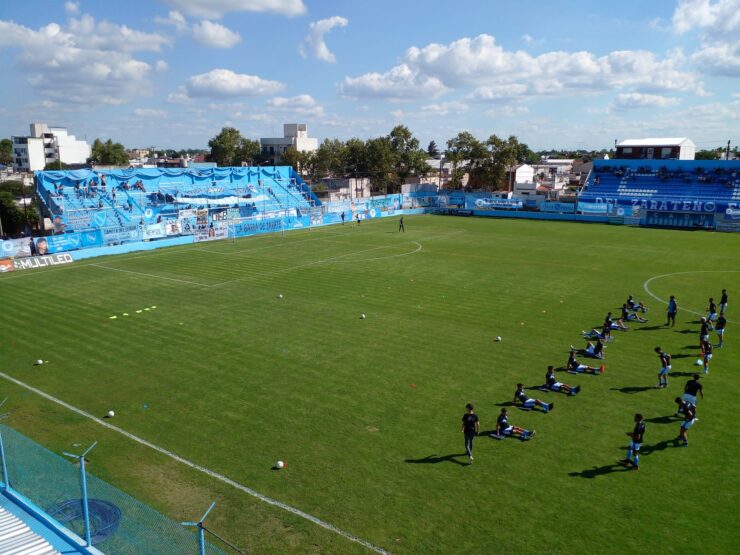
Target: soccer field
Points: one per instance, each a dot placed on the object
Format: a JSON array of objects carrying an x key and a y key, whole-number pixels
[{"x": 228, "y": 374}]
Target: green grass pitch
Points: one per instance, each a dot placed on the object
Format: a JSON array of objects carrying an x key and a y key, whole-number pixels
[{"x": 367, "y": 413}]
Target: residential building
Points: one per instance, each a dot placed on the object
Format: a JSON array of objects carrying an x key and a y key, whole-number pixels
[
  {"x": 295, "y": 135},
  {"x": 347, "y": 188},
  {"x": 46, "y": 145},
  {"x": 656, "y": 149}
]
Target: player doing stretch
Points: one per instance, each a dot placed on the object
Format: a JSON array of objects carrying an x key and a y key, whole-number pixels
[
  {"x": 527, "y": 403},
  {"x": 594, "y": 350},
  {"x": 504, "y": 429},
  {"x": 553, "y": 384},
  {"x": 634, "y": 305},
  {"x": 627, "y": 315},
  {"x": 665, "y": 367},
  {"x": 575, "y": 367}
]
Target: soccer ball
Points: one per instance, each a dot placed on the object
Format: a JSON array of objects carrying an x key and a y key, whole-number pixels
[
  {"x": 280, "y": 464},
  {"x": 498, "y": 338},
  {"x": 39, "y": 362},
  {"x": 699, "y": 362},
  {"x": 280, "y": 296},
  {"x": 362, "y": 316},
  {"x": 111, "y": 414}
]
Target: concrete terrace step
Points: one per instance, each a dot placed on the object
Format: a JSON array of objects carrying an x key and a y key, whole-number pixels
[{"x": 16, "y": 538}]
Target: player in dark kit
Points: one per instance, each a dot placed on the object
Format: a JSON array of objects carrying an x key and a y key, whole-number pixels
[
  {"x": 711, "y": 313},
  {"x": 627, "y": 315},
  {"x": 400, "y": 226},
  {"x": 665, "y": 367},
  {"x": 671, "y": 311},
  {"x": 633, "y": 451},
  {"x": 723, "y": 302},
  {"x": 553, "y": 384},
  {"x": 528, "y": 403},
  {"x": 720, "y": 329},
  {"x": 595, "y": 350},
  {"x": 704, "y": 331},
  {"x": 470, "y": 426},
  {"x": 689, "y": 418},
  {"x": 575, "y": 367},
  {"x": 690, "y": 390},
  {"x": 504, "y": 429},
  {"x": 706, "y": 349}
]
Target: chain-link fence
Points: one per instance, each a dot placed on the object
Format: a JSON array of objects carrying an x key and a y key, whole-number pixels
[{"x": 119, "y": 524}]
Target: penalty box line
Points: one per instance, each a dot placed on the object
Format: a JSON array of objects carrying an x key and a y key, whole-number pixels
[{"x": 202, "y": 469}]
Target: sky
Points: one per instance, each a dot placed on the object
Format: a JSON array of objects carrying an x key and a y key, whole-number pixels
[{"x": 555, "y": 73}]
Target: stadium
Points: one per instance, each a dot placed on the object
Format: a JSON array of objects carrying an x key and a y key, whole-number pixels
[{"x": 220, "y": 319}]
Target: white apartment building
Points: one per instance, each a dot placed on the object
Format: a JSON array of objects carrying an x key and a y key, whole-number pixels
[
  {"x": 295, "y": 135},
  {"x": 46, "y": 145}
]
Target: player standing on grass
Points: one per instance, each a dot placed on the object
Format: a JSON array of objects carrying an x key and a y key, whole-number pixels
[
  {"x": 706, "y": 349},
  {"x": 633, "y": 451},
  {"x": 690, "y": 390},
  {"x": 672, "y": 310},
  {"x": 704, "y": 331},
  {"x": 470, "y": 426},
  {"x": 712, "y": 313},
  {"x": 400, "y": 226},
  {"x": 665, "y": 367},
  {"x": 720, "y": 329},
  {"x": 723, "y": 302},
  {"x": 689, "y": 417}
]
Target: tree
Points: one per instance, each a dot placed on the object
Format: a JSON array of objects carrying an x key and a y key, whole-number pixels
[
  {"x": 225, "y": 147},
  {"x": 330, "y": 158},
  {"x": 432, "y": 150},
  {"x": 57, "y": 165},
  {"x": 6, "y": 152},
  {"x": 408, "y": 158},
  {"x": 464, "y": 151},
  {"x": 248, "y": 151},
  {"x": 108, "y": 153},
  {"x": 526, "y": 155},
  {"x": 706, "y": 155}
]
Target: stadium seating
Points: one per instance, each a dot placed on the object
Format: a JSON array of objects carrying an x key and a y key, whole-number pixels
[
  {"x": 685, "y": 180},
  {"x": 85, "y": 199}
]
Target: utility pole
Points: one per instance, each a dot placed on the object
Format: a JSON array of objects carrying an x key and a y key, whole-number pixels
[{"x": 728, "y": 151}]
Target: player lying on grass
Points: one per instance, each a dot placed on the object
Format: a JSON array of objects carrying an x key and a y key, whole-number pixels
[
  {"x": 633, "y": 451},
  {"x": 575, "y": 367},
  {"x": 634, "y": 305},
  {"x": 605, "y": 334},
  {"x": 689, "y": 418},
  {"x": 528, "y": 403},
  {"x": 665, "y": 367},
  {"x": 627, "y": 315},
  {"x": 553, "y": 384},
  {"x": 594, "y": 350},
  {"x": 504, "y": 429}
]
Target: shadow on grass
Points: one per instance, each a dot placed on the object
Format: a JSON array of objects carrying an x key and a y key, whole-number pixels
[
  {"x": 633, "y": 389},
  {"x": 691, "y": 347},
  {"x": 683, "y": 374},
  {"x": 663, "y": 420},
  {"x": 599, "y": 471},
  {"x": 682, "y": 355},
  {"x": 661, "y": 446},
  {"x": 434, "y": 459},
  {"x": 685, "y": 331},
  {"x": 650, "y": 328}
]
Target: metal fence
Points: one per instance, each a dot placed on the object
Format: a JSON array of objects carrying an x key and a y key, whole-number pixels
[{"x": 119, "y": 524}]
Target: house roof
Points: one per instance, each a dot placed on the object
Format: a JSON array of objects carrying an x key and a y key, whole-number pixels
[{"x": 653, "y": 141}]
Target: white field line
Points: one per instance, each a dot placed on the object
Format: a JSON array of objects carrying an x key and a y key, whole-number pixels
[
  {"x": 203, "y": 469},
  {"x": 646, "y": 287},
  {"x": 417, "y": 249},
  {"x": 149, "y": 275},
  {"x": 306, "y": 265}
]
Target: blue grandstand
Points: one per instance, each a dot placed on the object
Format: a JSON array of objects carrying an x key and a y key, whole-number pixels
[
  {"x": 87, "y": 200},
  {"x": 673, "y": 193}
]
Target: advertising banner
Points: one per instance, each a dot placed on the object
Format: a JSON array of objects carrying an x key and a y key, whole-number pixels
[
  {"x": 68, "y": 242},
  {"x": 6, "y": 265},
  {"x": 122, "y": 234},
  {"x": 189, "y": 213},
  {"x": 593, "y": 207},
  {"x": 215, "y": 231},
  {"x": 155, "y": 231},
  {"x": 260, "y": 226},
  {"x": 493, "y": 203},
  {"x": 12, "y": 248},
  {"x": 172, "y": 227},
  {"x": 42, "y": 261},
  {"x": 561, "y": 207}
]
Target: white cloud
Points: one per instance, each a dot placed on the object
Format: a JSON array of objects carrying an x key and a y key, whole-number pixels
[
  {"x": 215, "y": 35},
  {"x": 527, "y": 38},
  {"x": 150, "y": 113},
  {"x": 180, "y": 96},
  {"x": 85, "y": 64},
  {"x": 72, "y": 7},
  {"x": 303, "y": 104},
  {"x": 507, "y": 111},
  {"x": 719, "y": 59},
  {"x": 160, "y": 66},
  {"x": 711, "y": 18},
  {"x": 226, "y": 83},
  {"x": 314, "y": 45},
  {"x": 444, "y": 108},
  {"x": 628, "y": 101},
  {"x": 175, "y": 19},
  {"x": 216, "y": 9},
  {"x": 399, "y": 83},
  {"x": 481, "y": 62}
]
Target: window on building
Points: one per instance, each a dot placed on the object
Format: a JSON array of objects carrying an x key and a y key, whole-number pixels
[{"x": 627, "y": 150}]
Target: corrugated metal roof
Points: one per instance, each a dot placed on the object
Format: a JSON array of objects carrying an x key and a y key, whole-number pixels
[
  {"x": 672, "y": 141},
  {"x": 17, "y": 538}
]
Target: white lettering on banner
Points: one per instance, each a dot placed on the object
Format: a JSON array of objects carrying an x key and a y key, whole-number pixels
[{"x": 42, "y": 261}]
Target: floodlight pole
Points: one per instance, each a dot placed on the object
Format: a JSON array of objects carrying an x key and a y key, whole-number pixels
[{"x": 83, "y": 479}]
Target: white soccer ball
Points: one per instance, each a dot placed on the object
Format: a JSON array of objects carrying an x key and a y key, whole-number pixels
[
  {"x": 111, "y": 414},
  {"x": 280, "y": 296},
  {"x": 280, "y": 464},
  {"x": 699, "y": 362},
  {"x": 498, "y": 338},
  {"x": 362, "y": 316},
  {"x": 39, "y": 362}
]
